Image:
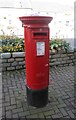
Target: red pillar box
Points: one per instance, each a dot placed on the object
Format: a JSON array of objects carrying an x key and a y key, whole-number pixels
[{"x": 36, "y": 35}]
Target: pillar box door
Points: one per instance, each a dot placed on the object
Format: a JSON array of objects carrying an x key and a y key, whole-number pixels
[{"x": 36, "y": 35}]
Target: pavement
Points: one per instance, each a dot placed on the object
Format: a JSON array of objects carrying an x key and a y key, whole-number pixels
[{"x": 61, "y": 95}]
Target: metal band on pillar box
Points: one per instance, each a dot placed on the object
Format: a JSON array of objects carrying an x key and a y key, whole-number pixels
[{"x": 36, "y": 35}]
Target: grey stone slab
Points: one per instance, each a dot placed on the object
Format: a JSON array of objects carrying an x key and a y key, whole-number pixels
[
  {"x": 47, "y": 117},
  {"x": 63, "y": 62},
  {"x": 71, "y": 114},
  {"x": 32, "y": 116},
  {"x": 7, "y": 104},
  {"x": 11, "y": 107},
  {"x": 69, "y": 61},
  {"x": 50, "y": 112},
  {"x": 8, "y": 114},
  {"x": 63, "y": 55},
  {"x": 15, "y": 115},
  {"x": 0, "y": 112},
  {"x": 0, "y": 106},
  {"x": 56, "y": 110},
  {"x": 70, "y": 54},
  {"x": 74, "y": 60},
  {"x": 65, "y": 58},
  {"x": 63, "y": 111},
  {"x": 13, "y": 101},
  {"x": 14, "y": 111},
  {"x": 59, "y": 59},
  {"x": 21, "y": 114},
  {"x": 61, "y": 105},
  {"x": 18, "y": 54},
  {"x": 5, "y": 55},
  {"x": 3, "y": 111},
  {"x": 35, "y": 111},
  {"x": 27, "y": 113},
  {"x": 53, "y": 60},
  {"x": 55, "y": 63},
  {"x": 56, "y": 56},
  {"x": 59, "y": 115},
  {"x": 20, "y": 109},
  {"x": 14, "y": 63},
  {"x": 7, "y": 98},
  {"x": 67, "y": 117},
  {"x": 11, "y": 60},
  {"x": 4, "y": 60},
  {"x": 70, "y": 64},
  {"x": 6, "y": 64},
  {"x": 41, "y": 115},
  {"x": 72, "y": 57},
  {"x": 10, "y": 68},
  {"x": 22, "y": 63},
  {"x": 19, "y": 59}
]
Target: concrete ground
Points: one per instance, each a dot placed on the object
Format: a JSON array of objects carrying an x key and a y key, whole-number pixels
[{"x": 61, "y": 95}]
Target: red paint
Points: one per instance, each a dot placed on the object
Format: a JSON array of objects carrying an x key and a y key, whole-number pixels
[{"x": 37, "y": 67}]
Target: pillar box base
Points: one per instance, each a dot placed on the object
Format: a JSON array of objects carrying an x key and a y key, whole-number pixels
[{"x": 37, "y": 98}]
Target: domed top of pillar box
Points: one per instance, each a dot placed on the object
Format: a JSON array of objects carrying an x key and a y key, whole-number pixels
[{"x": 32, "y": 20}]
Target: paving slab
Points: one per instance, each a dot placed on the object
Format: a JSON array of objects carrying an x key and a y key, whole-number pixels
[{"x": 61, "y": 95}]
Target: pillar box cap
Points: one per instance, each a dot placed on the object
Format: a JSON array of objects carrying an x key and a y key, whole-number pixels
[{"x": 35, "y": 19}]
